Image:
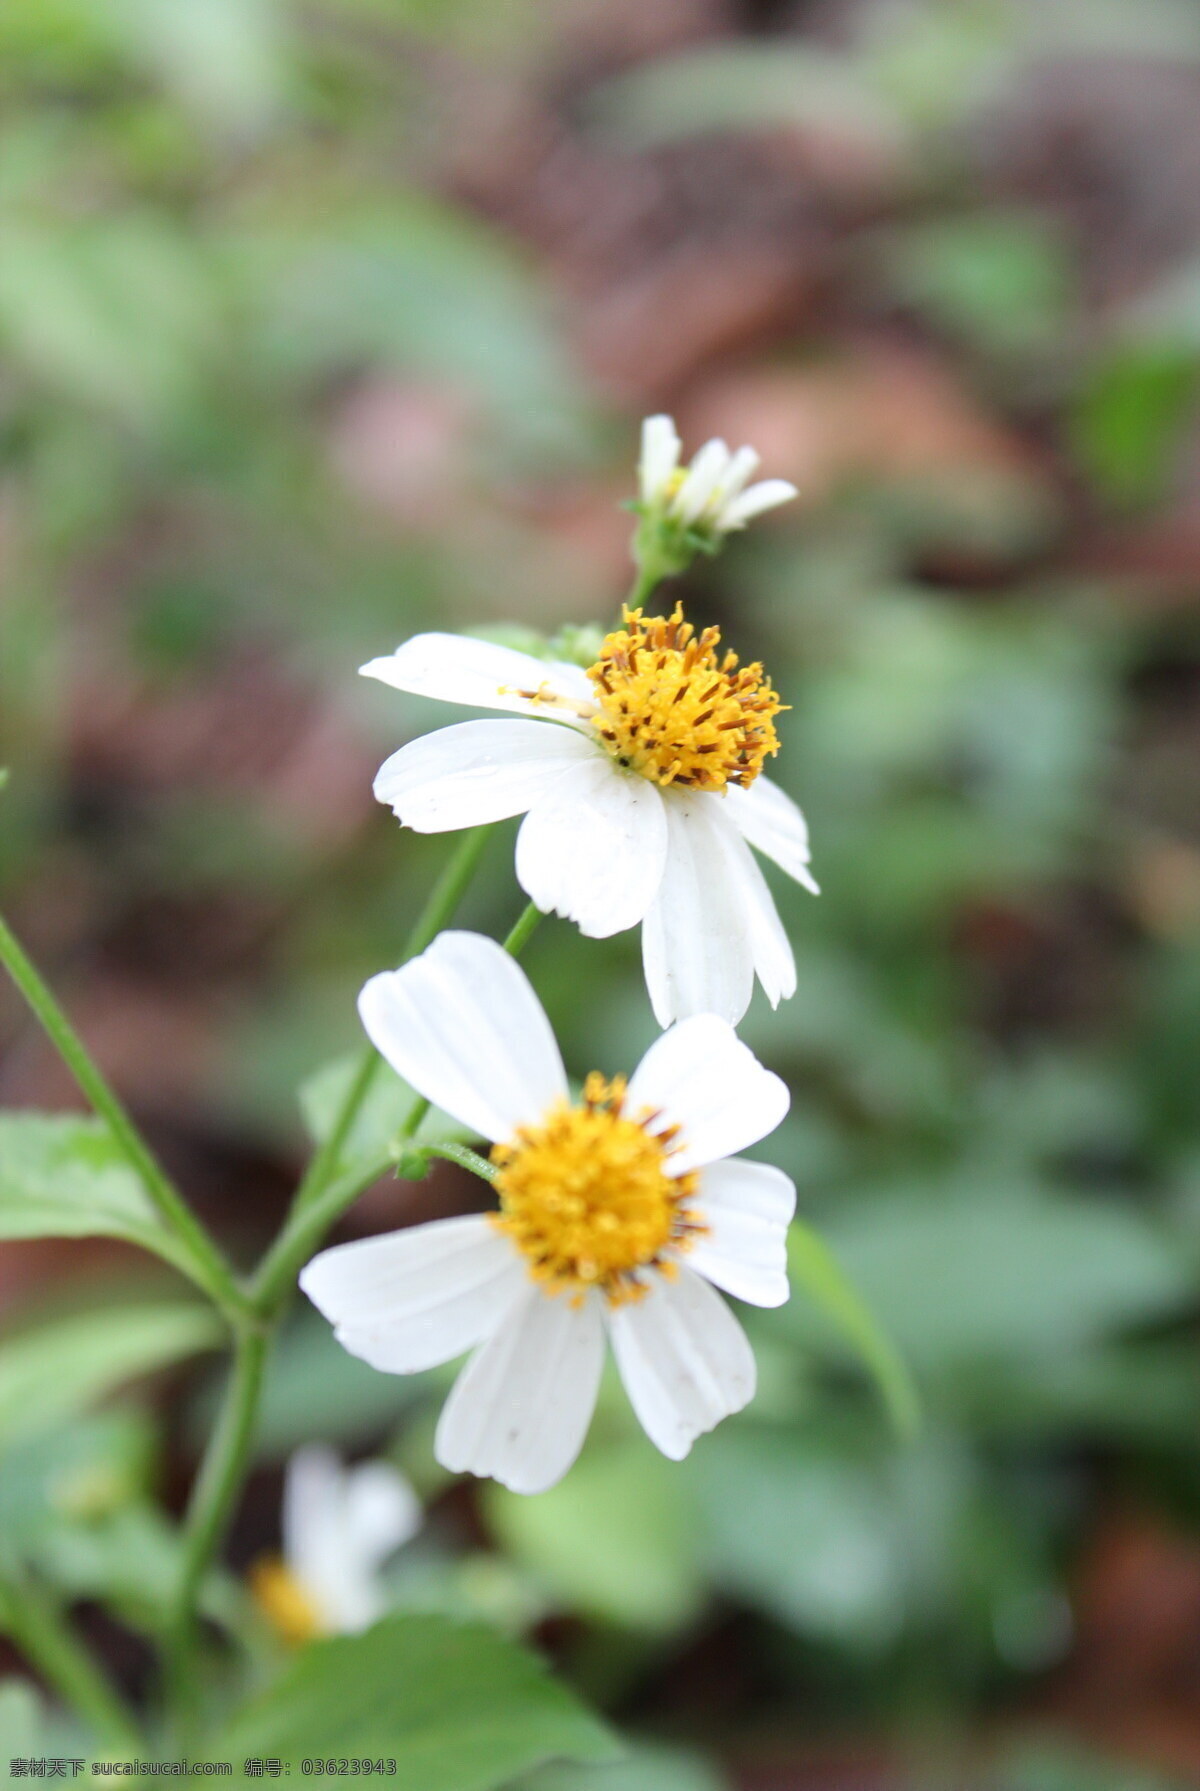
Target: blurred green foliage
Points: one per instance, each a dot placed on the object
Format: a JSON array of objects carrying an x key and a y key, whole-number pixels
[{"x": 217, "y": 225}]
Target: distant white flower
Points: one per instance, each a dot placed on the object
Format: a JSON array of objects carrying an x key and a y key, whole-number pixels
[
  {"x": 618, "y": 1215},
  {"x": 338, "y": 1525},
  {"x": 642, "y": 778},
  {"x": 710, "y": 496}
]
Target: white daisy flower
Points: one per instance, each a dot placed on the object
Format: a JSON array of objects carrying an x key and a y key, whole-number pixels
[
  {"x": 710, "y": 497},
  {"x": 339, "y": 1525},
  {"x": 641, "y": 783},
  {"x": 619, "y": 1216}
]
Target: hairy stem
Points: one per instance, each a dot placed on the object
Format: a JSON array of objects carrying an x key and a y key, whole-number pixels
[
  {"x": 465, "y": 1157},
  {"x": 34, "y": 1621},
  {"x": 198, "y": 1256}
]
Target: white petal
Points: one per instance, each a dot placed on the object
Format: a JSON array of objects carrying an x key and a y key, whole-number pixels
[
  {"x": 696, "y": 942},
  {"x": 773, "y": 824},
  {"x": 747, "y": 1208},
  {"x": 463, "y": 1026},
  {"x": 455, "y": 668},
  {"x": 769, "y": 945},
  {"x": 763, "y": 496},
  {"x": 660, "y": 457},
  {"x": 593, "y": 849},
  {"x": 312, "y": 1508},
  {"x": 318, "y": 1545},
  {"x": 415, "y": 1298},
  {"x": 520, "y": 1409},
  {"x": 742, "y": 466},
  {"x": 703, "y": 478},
  {"x": 684, "y": 1360},
  {"x": 381, "y": 1510},
  {"x": 701, "y": 1078},
  {"x": 476, "y": 772}
]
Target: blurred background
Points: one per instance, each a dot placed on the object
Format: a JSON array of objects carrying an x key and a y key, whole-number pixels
[{"x": 324, "y": 322}]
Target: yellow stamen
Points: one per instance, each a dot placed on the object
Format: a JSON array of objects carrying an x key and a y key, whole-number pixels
[
  {"x": 585, "y": 1196},
  {"x": 284, "y": 1602},
  {"x": 670, "y": 709}
]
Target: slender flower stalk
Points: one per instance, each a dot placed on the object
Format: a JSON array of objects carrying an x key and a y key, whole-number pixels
[
  {"x": 215, "y": 1490},
  {"x": 223, "y": 1468},
  {"x": 443, "y": 900}
]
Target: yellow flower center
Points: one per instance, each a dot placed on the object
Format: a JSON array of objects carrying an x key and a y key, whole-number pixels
[
  {"x": 285, "y": 1604},
  {"x": 673, "y": 711},
  {"x": 585, "y": 1196}
]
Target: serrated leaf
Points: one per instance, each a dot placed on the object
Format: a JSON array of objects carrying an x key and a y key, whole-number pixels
[
  {"x": 456, "y": 1706},
  {"x": 50, "y": 1373},
  {"x": 63, "y": 1176},
  {"x": 814, "y": 1268},
  {"x": 380, "y": 1116}
]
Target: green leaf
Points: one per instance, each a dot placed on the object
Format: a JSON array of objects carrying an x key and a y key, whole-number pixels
[
  {"x": 130, "y": 1561},
  {"x": 74, "y": 1472},
  {"x": 738, "y": 87},
  {"x": 802, "y": 1531},
  {"x": 814, "y": 1268},
  {"x": 63, "y": 1176},
  {"x": 380, "y": 1116},
  {"x": 20, "y": 1719},
  {"x": 1062, "y": 1764},
  {"x": 1130, "y": 417},
  {"x": 457, "y": 1707},
  {"x": 987, "y": 1268},
  {"x": 611, "y": 1540},
  {"x": 999, "y": 281},
  {"x": 49, "y": 1374}
]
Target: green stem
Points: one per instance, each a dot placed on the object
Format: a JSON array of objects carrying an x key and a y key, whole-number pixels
[
  {"x": 465, "y": 1158},
  {"x": 276, "y": 1273},
  {"x": 320, "y": 1199},
  {"x": 521, "y": 933},
  {"x": 213, "y": 1494},
  {"x": 37, "y": 1626},
  {"x": 443, "y": 899},
  {"x": 199, "y": 1257},
  {"x": 648, "y": 577}
]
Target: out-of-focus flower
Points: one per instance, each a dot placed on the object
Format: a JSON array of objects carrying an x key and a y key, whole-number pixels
[
  {"x": 712, "y": 496},
  {"x": 619, "y": 1214},
  {"x": 338, "y": 1526},
  {"x": 641, "y": 781}
]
